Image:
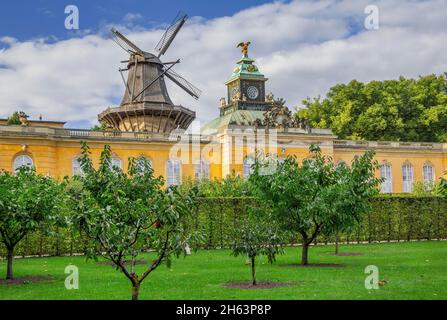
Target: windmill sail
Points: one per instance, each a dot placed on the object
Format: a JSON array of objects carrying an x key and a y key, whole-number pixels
[
  {"x": 125, "y": 43},
  {"x": 184, "y": 84},
  {"x": 170, "y": 34}
]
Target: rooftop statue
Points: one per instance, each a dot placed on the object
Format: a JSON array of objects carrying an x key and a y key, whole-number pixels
[{"x": 244, "y": 46}]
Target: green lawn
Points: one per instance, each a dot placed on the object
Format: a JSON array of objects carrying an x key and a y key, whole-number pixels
[{"x": 416, "y": 270}]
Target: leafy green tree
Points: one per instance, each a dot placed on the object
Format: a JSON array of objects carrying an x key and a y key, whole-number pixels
[
  {"x": 257, "y": 235},
  {"x": 100, "y": 127},
  {"x": 125, "y": 214},
  {"x": 231, "y": 186},
  {"x": 352, "y": 189},
  {"x": 14, "y": 119},
  {"x": 403, "y": 110},
  {"x": 315, "y": 197},
  {"x": 28, "y": 202}
]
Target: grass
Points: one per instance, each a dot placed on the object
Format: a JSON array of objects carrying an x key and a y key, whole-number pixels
[{"x": 415, "y": 270}]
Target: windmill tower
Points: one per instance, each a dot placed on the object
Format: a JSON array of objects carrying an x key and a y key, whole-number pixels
[{"x": 146, "y": 105}]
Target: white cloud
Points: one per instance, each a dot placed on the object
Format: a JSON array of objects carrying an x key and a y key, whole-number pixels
[
  {"x": 304, "y": 47},
  {"x": 8, "y": 40},
  {"x": 130, "y": 17}
]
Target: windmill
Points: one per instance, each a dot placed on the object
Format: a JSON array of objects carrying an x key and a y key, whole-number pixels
[{"x": 146, "y": 105}]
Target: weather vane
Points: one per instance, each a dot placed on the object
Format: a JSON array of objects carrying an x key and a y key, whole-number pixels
[{"x": 244, "y": 46}]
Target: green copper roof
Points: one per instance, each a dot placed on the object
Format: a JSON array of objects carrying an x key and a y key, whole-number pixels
[
  {"x": 246, "y": 69},
  {"x": 238, "y": 118}
]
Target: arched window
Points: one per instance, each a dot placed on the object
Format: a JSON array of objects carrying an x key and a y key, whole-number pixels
[
  {"x": 386, "y": 175},
  {"x": 116, "y": 163},
  {"x": 407, "y": 177},
  {"x": 76, "y": 167},
  {"x": 202, "y": 170},
  {"x": 247, "y": 169},
  {"x": 140, "y": 161},
  {"x": 22, "y": 161},
  {"x": 428, "y": 173},
  {"x": 173, "y": 172}
]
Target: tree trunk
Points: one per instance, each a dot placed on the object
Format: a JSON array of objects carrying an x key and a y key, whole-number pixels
[
  {"x": 9, "y": 274},
  {"x": 71, "y": 243},
  {"x": 135, "y": 292},
  {"x": 337, "y": 240},
  {"x": 253, "y": 272},
  {"x": 304, "y": 260}
]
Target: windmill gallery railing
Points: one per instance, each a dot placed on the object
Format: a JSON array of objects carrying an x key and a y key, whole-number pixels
[{"x": 393, "y": 218}]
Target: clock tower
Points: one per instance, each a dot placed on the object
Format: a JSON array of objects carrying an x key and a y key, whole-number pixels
[{"x": 245, "y": 87}]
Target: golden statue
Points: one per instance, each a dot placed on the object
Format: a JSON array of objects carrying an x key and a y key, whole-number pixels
[{"x": 244, "y": 46}]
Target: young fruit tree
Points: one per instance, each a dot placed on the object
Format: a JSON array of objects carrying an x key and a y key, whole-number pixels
[
  {"x": 311, "y": 198},
  {"x": 28, "y": 202},
  {"x": 125, "y": 214},
  {"x": 257, "y": 235}
]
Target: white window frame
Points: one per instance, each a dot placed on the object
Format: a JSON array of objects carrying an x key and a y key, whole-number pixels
[
  {"x": 22, "y": 160},
  {"x": 386, "y": 173},
  {"x": 407, "y": 177},
  {"x": 202, "y": 170},
  {"x": 173, "y": 172}
]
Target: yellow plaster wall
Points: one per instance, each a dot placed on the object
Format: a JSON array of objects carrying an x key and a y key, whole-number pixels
[{"x": 55, "y": 157}]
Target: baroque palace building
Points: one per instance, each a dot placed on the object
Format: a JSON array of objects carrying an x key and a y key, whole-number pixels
[{"x": 151, "y": 126}]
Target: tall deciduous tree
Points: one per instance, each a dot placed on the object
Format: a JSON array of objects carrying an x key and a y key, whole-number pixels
[
  {"x": 312, "y": 198},
  {"x": 352, "y": 189},
  {"x": 403, "y": 109},
  {"x": 28, "y": 202},
  {"x": 126, "y": 213}
]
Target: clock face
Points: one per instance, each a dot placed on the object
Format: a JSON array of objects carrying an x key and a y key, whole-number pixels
[{"x": 252, "y": 92}]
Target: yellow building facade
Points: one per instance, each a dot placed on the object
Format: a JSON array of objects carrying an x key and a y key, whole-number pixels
[
  {"x": 250, "y": 121},
  {"x": 54, "y": 151}
]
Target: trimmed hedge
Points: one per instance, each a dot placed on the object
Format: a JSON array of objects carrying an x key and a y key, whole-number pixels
[
  {"x": 393, "y": 218},
  {"x": 400, "y": 218}
]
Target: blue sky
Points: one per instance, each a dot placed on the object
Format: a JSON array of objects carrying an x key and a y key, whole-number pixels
[
  {"x": 303, "y": 46},
  {"x": 28, "y": 19}
]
